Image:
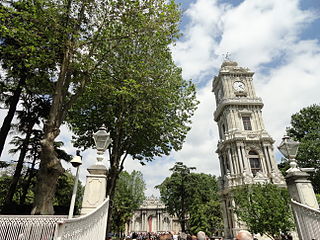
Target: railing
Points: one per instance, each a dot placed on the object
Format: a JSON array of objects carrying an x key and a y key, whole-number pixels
[
  {"x": 88, "y": 227},
  {"x": 308, "y": 221},
  {"x": 92, "y": 226},
  {"x": 28, "y": 227}
]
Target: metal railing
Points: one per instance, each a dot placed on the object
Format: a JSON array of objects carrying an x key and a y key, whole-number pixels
[
  {"x": 92, "y": 226},
  {"x": 28, "y": 227},
  {"x": 307, "y": 220}
]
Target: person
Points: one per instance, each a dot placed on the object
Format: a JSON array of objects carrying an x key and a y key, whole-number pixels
[
  {"x": 244, "y": 235},
  {"x": 201, "y": 235}
]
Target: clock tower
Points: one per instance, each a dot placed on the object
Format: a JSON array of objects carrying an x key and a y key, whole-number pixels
[{"x": 245, "y": 149}]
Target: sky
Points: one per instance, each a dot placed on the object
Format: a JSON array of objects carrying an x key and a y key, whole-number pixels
[{"x": 279, "y": 40}]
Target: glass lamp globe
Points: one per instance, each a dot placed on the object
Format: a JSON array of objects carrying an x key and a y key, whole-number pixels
[
  {"x": 288, "y": 147},
  {"x": 102, "y": 138}
]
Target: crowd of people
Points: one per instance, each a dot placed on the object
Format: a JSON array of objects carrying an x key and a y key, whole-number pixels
[
  {"x": 166, "y": 236},
  {"x": 242, "y": 235}
]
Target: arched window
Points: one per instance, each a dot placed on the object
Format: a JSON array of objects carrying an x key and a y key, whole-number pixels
[{"x": 255, "y": 163}]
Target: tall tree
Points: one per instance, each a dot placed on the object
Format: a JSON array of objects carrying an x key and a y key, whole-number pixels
[
  {"x": 92, "y": 31},
  {"x": 139, "y": 94},
  {"x": 187, "y": 194},
  {"x": 34, "y": 108},
  {"x": 305, "y": 128},
  {"x": 129, "y": 195},
  {"x": 264, "y": 208}
]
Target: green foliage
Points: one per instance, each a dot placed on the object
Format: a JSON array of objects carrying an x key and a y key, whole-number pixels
[
  {"x": 318, "y": 197},
  {"x": 138, "y": 93},
  {"x": 305, "y": 128},
  {"x": 128, "y": 197},
  {"x": 4, "y": 183},
  {"x": 62, "y": 198},
  {"x": 29, "y": 43},
  {"x": 264, "y": 208},
  {"x": 64, "y": 192},
  {"x": 194, "y": 195}
]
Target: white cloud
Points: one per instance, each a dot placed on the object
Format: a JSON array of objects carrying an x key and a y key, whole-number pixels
[
  {"x": 195, "y": 53},
  {"x": 257, "y": 31}
]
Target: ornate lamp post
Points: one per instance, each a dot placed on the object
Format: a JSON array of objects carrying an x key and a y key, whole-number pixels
[
  {"x": 96, "y": 183},
  {"x": 76, "y": 162},
  {"x": 289, "y": 149},
  {"x": 299, "y": 185},
  {"x": 102, "y": 140}
]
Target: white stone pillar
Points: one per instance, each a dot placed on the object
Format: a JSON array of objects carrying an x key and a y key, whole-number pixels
[
  {"x": 300, "y": 188},
  {"x": 245, "y": 160},
  {"x": 230, "y": 162},
  {"x": 271, "y": 157},
  {"x": 143, "y": 221},
  {"x": 95, "y": 189},
  {"x": 267, "y": 160},
  {"x": 262, "y": 123},
  {"x": 240, "y": 159}
]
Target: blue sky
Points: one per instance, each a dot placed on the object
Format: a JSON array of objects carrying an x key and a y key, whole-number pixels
[{"x": 277, "y": 39}]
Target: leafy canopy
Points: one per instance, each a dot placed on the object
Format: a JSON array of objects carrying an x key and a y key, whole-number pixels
[
  {"x": 194, "y": 196},
  {"x": 129, "y": 195},
  {"x": 264, "y": 208},
  {"x": 139, "y": 93},
  {"x": 305, "y": 128}
]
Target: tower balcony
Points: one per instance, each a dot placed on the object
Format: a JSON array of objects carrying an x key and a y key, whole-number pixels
[
  {"x": 236, "y": 102},
  {"x": 244, "y": 135}
]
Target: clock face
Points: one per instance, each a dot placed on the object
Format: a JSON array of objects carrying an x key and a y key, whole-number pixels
[{"x": 238, "y": 86}]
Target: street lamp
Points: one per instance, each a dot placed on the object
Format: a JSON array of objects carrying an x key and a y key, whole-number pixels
[
  {"x": 102, "y": 140},
  {"x": 289, "y": 149},
  {"x": 76, "y": 162}
]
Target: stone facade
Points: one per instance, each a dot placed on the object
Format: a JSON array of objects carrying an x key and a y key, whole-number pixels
[
  {"x": 152, "y": 217},
  {"x": 245, "y": 148}
]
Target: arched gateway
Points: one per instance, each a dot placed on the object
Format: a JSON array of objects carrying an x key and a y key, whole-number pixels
[{"x": 152, "y": 217}]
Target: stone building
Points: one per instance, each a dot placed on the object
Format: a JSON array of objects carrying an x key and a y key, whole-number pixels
[
  {"x": 245, "y": 148},
  {"x": 152, "y": 217}
]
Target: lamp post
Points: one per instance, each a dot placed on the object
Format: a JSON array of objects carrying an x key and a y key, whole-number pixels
[
  {"x": 289, "y": 149},
  {"x": 102, "y": 140},
  {"x": 96, "y": 183},
  {"x": 76, "y": 162}
]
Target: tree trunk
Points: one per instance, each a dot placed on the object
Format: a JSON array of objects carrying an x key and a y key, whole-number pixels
[
  {"x": 50, "y": 166},
  {"x": 13, "y": 102},
  {"x": 111, "y": 184},
  {"x": 49, "y": 172},
  {"x": 17, "y": 172}
]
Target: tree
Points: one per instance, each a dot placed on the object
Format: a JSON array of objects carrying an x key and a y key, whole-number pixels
[
  {"x": 34, "y": 108},
  {"x": 139, "y": 94},
  {"x": 205, "y": 212},
  {"x": 91, "y": 63},
  {"x": 129, "y": 195},
  {"x": 305, "y": 128},
  {"x": 192, "y": 195},
  {"x": 264, "y": 208}
]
